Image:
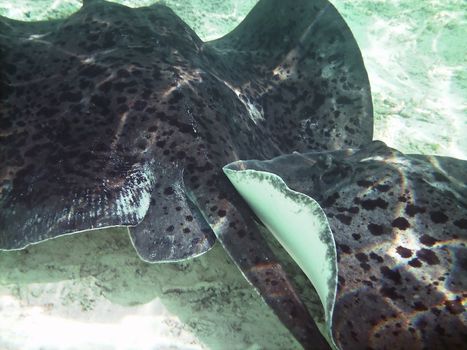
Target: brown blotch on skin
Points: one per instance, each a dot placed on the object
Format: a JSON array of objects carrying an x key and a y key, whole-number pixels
[
  {"x": 346, "y": 220},
  {"x": 365, "y": 266},
  {"x": 428, "y": 256},
  {"x": 375, "y": 229},
  {"x": 371, "y": 204},
  {"x": 412, "y": 209},
  {"x": 383, "y": 188},
  {"x": 376, "y": 257},
  {"x": 364, "y": 183},
  {"x": 345, "y": 248},
  {"x": 419, "y": 306},
  {"x": 169, "y": 191},
  {"x": 428, "y": 240},
  {"x": 404, "y": 252},
  {"x": 390, "y": 292},
  {"x": 462, "y": 223},
  {"x": 401, "y": 223},
  {"x": 415, "y": 263},
  {"x": 438, "y": 217},
  {"x": 362, "y": 257},
  {"x": 393, "y": 275}
]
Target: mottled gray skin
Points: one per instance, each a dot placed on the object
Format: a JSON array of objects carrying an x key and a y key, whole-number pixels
[
  {"x": 400, "y": 226},
  {"x": 124, "y": 117}
]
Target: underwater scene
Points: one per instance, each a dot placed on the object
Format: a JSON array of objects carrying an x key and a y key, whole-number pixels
[{"x": 233, "y": 174}]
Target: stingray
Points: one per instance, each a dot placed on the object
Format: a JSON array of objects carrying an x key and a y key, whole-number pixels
[
  {"x": 123, "y": 117},
  {"x": 391, "y": 232}
]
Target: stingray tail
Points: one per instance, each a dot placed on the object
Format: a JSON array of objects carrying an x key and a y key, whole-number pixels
[{"x": 236, "y": 229}]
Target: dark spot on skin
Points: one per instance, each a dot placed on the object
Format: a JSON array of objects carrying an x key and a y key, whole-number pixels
[
  {"x": 383, "y": 188},
  {"x": 354, "y": 210},
  {"x": 362, "y": 257},
  {"x": 375, "y": 229},
  {"x": 419, "y": 306},
  {"x": 393, "y": 275},
  {"x": 186, "y": 230},
  {"x": 390, "y": 292},
  {"x": 438, "y": 217},
  {"x": 169, "y": 191},
  {"x": 221, "y": 213},
  {"x": 346, "y": 220},
  {"x": 356, "y": 236},
  {"x": 415, "y": 263},
  {"x": 371, "y": 204},
  {"x": 412, "y": 209},
  {"x": 428, "y": 256},
  {"x": 170, "y": 228},
  {"x": 455, "y": 307},
  {"x": 462, "y": 223},
  {"x": 345, "y": 248},
  {"x": 428, "y": 240},
  {"x": 365, "y": 266},
  {"x": 376, "y": 257},
  {"x": 189, "y": 218},
  {"x": 401, "y": 223},
  {"x": 404, "y": 252},
  {"x": 364, "y": 183},
  {"x": 331, "y": 200}
]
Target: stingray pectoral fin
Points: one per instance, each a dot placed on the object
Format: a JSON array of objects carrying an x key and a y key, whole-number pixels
[
  {"x": 299, "y": 224},
  {"x": 173, "y": 228},
  {"x": 39, "y": 203},
  {"x": 298, "y": 65},
  {"x": 234, "y": 226}
]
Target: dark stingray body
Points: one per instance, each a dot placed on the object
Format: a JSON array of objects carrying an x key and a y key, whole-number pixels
[
  {"x": 400, "y": 226},
  {"x": 124, "y": 117}
]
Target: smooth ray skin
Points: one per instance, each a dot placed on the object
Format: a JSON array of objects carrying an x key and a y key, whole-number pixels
[
  {"x": 400, "y": 227},
  {"x": 124, "y": 117}
]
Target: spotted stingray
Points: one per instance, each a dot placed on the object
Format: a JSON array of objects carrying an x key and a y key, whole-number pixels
[
  {"x": 399, "y": 223},
  {"x": 124, "y": 117}
]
